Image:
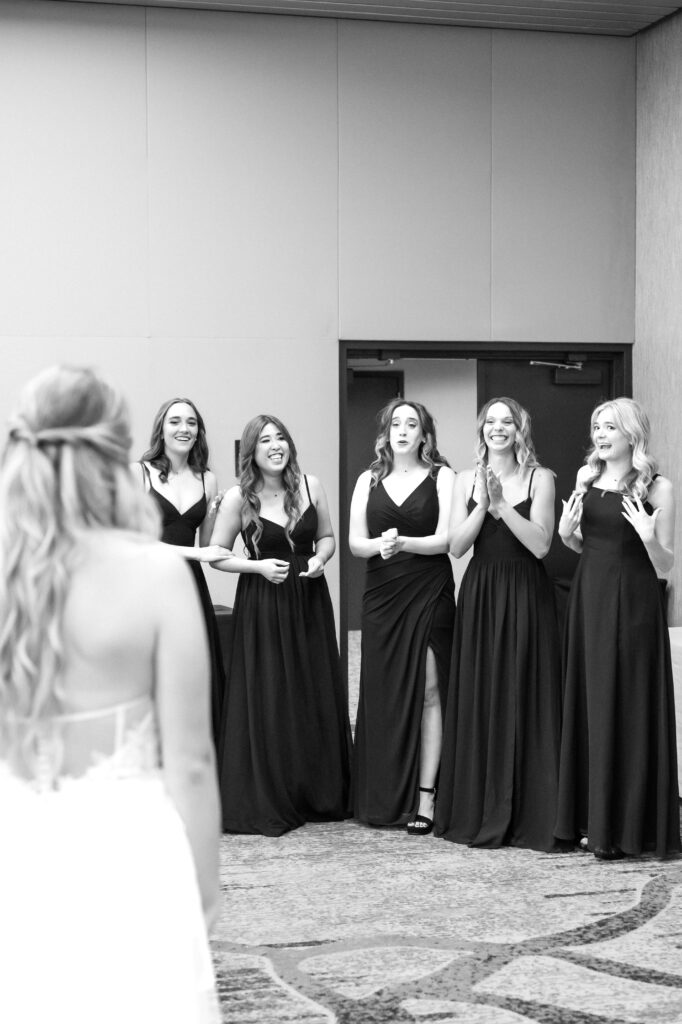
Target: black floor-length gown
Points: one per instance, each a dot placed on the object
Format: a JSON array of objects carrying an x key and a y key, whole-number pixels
[
  {"x": 618, "y": 773},
  {"x": 499, "y": 769},
  {"x": 284, "y": 753},
  {"x": 180, "y": 528},
  {"x": 408, "y": 606}
]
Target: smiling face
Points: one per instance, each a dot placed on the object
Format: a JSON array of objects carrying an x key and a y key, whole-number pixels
[
  {"x": 499, "y": 429},
  {"x": 610, "y": 442},
  {"x": 180, "y": 429},
  {"x": 405, "y": 432},
  {"x": 272, "y": 450}
]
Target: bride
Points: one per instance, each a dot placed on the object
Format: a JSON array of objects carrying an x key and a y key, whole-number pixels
[{"x": 108, "y": 857}]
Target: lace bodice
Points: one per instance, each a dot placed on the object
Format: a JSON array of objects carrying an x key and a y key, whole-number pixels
[{"x": 109, "y": 744}]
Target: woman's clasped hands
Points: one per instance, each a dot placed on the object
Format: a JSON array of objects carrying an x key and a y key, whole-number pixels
[{"x": 389, "y": 544}]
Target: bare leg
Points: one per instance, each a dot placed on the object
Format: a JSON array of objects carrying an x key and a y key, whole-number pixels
[
  {"x": 431, "y": 736},
  {"x": 429, "y": 757}
]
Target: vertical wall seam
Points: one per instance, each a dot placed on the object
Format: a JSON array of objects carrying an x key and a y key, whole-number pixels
[
  {"x": 338, "y": 185},
  {"x": 491, "y": 332},
  {"x": 147, "y": 171}
]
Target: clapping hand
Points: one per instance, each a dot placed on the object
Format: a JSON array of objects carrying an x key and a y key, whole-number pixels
[
  {"x": 571, "y": 515},
  {"x": 494, "y": 485},
  {"x": 639, "y": 518},
  {"x": 481, "y": 496}
]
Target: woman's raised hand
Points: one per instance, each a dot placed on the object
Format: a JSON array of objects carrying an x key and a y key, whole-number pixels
[
  {"x": 571, "y": 515},
  {"x": 274, "y": 569},
  {"x": 639, "y": 518}
]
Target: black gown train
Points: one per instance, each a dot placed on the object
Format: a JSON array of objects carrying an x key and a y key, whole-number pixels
[
  {"x": 180, "y": 528},
  {"x": 408, "y": 607},
  {"x": 284, "y": 752},
  {"x": 499, "y": 768},
  {"x": 618, "y": 774}
]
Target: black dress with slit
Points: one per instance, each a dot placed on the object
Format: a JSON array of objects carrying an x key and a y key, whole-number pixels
[
  {"x": 408, "y": 607},
  {"x": 618, "y": 773},
  {"x": 285, "y": 745},
  {"x": 500, "y": 761},
  {"x": 180, "y": 528}
]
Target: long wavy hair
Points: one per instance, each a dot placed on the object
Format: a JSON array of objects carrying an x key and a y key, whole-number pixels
[
  {"x": 524, "y": 449},
  {"x": 64, "y": 470},
  {"x": 428, "y": 453},
  {"x": 156, "y": 453},
  {"x": 251, "y": 478},
  {"x": 633, "y": 422}
]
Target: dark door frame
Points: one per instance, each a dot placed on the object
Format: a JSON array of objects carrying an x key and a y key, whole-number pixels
[{"x": 620, "y": 356}]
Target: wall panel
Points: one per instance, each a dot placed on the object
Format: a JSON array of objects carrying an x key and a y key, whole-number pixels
[
  {"x": 563, "y": 188},
  {"x": 73, "y": 257},
  {"x": 658, "y": 350}
]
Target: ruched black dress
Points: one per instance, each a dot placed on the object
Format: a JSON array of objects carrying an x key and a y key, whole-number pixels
[
  {"x": 408, "y": 606},
  {"x": 180, "y": 528},
  {"x": 499, "y": 768},
  {"x": 618, "y": 774},
  {"x": 284, "y": 752}
]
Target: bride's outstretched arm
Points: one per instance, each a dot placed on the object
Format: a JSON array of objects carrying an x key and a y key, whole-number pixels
[{"x": 183, "y": 707}]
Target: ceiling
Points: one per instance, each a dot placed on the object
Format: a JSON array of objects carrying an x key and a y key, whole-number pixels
[{"x": 596, "y": 17}]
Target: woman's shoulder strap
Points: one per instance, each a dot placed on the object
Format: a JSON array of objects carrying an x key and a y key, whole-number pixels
[
  {"x": 305, "y": 480},
  {"x": 530, "y": 482}
]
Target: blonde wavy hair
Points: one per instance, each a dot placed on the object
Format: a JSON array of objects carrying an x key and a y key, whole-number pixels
[
  {"x": 633, "y": 422},
  {"x": 64, "y": 470}
]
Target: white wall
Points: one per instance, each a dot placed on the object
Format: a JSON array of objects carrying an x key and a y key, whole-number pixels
[
  {"x": 203, "y": 203},
  {"x": 658, "y": 352}
]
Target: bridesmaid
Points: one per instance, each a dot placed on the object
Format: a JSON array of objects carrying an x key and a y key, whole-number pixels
[
  {"x": 398, "y": 522},
  {"x": 501, "y": 738},
  {"x": 618, "y": 775},
  {"x": 176, "y": 474},
  {"x": 284, "y": 752}
]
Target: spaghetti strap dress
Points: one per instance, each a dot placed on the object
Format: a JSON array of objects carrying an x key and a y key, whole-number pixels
[
  {"x": 499, "y": 767},
  {"x": 408, "y": 607},
  {"x": 284, "y": 751},
  {"x": 180, "y": 528},
  {"x": 618, "y": 775}
]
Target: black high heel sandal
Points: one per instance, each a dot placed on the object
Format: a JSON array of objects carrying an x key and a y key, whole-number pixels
[{"x": 421, "y": 826}]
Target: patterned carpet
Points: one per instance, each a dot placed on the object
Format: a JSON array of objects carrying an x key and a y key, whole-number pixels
[{"x": 349, "y": 924}]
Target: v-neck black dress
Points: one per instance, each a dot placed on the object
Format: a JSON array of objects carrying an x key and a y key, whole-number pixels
[
  {"x": 408, "y": 606},
  {"x": 500, "y": 763},
  {"x": 284, "y": 752},
  {"x": 618, "y": 775},
  {"x": 180, "y": 528}
]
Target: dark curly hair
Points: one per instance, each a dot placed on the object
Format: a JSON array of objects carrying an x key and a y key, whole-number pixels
[{"x": 428, "y": 451}]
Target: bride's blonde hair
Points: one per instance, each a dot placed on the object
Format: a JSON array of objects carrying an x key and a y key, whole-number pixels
[{"x": 64, "y": 471}]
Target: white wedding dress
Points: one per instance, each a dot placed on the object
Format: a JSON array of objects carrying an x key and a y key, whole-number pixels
[{"x": 100, "y": 914}]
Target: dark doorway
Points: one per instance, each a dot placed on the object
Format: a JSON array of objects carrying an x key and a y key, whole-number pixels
[
  {"x": 560, "y": 397},
  {"x": 367, "y": 393}
]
